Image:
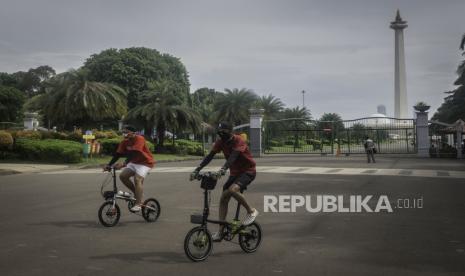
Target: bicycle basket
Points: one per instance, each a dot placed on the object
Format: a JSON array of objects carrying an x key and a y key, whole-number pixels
[
  {"x": 196, "y": 218},
  {"x": 108, "y": 195},
  {"x": 208, "y": 183}
]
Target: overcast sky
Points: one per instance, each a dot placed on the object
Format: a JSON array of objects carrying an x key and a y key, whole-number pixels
[{"x": 340, "y": 52}]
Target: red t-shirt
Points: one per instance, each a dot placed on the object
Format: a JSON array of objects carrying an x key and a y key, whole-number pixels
[
  {"x": 244, "y": 162},
  {"x": 143, "y": 155}
]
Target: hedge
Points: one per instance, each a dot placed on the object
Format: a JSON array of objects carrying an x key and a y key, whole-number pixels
[
  {"x": 6, "y": 141},
  {"x": 51, "y": 150},
  {"x": 109, "y": 146}
]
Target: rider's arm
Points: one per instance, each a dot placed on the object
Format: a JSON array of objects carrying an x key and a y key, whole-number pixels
[
  {"x": 206, "y": 160},
  {"x": 115, "y": 158}
]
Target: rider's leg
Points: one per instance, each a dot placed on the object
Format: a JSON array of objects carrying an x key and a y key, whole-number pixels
[
  {"x": 125, "y": 176},
  {"x": 235, "y": 190},
  {"x": 139, "y": 188}
]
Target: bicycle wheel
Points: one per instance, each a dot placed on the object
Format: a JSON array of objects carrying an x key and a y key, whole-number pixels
[
  {"x": 109, "y": 215},
  {"x": 198, "y": 244},
  {"x": 250, "y": 237},
  {"x": 151, "y": 210}
]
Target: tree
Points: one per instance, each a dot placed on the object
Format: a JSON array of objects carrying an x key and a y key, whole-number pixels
[
  {"x": 297, "y": 113},
  {"x": 453, "y": 107},
  {"x": 164, "y": 110},
  {"x": 203, "y": 101},
  {"x": 8, "y": 80},
  {"x": 134, "y": 69},
  {"x": 234, "y": 105},
  {"x": 31, "y": 81},
  {"x": 11, "y": 102},
  {"x": 272, "y": 106},
  {"x": 331, "y": 121},
  {"x": 71, "y": 99}
]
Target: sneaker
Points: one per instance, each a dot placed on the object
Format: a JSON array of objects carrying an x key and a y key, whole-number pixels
[
  {"x": 217, "y": 237},
  {"x": 249, "y": 218},
  {"x": 136, "y": 208}
]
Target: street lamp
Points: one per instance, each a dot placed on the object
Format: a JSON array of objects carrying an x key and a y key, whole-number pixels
[{"x": 303, "y": 98}]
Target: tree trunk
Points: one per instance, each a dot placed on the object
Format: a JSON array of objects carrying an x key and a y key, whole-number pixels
[{"x": 161, "y": 137}]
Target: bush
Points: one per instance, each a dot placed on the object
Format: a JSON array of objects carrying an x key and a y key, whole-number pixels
[
  {"x": 28, "y": 134},
  {"x": 276, "y": 143},
  {"x": 49, "y": 150},
  {"x": 109, "y": 146},
  {"x": 109, "y": 134},
  {"x": 76, "y": 136},
  {"x": 182, "y": 147},
  {"x": 6, "y": 141},
  {"x": 54, "y": 135}
]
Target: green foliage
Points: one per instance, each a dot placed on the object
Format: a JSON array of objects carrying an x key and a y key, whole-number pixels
[
  {"x": 234, "y": 106},
  {"x": 29, "y": 134},
  {"x": 11, "y": 102},
  {"x": 71, "y": 99},
  {"x": 109, "y": 146},
  {"x": 297, "y": 113},
  {"x": 271, "y": 105},
  {"x": 135, "y": 68},
  {"x": 54, "y": 135},
  {"x": 453, "y": 107},
  {"x": 163, "y": 109},
  {"x": 110, "y": 134},
  {"x": 49, "y": 150},
  {"x": 6, "y": 141},
  {"x": 203, "y": 101}
]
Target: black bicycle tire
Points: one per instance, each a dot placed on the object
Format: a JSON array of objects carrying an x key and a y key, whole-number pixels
[
  {"x": 186, "y": 244},
  {"x": 242, "y": 241},
  {"x": 145, "y": 211},
  {"x": 100, "y": 214}
]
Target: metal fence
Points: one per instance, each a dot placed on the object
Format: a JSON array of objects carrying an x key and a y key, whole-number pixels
[{"x": 390, "y": 135}]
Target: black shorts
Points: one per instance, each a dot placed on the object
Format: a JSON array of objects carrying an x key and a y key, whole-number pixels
[{"x": 243, "y": 180}]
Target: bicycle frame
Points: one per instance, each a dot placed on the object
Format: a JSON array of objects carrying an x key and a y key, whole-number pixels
[{"x": 235, "y": 225}]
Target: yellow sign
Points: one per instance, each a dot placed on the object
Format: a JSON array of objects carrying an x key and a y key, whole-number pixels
[{"x": 88, "y": 137}]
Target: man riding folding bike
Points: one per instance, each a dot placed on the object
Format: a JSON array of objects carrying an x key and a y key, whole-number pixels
[
  {"x": 241, "y": 165},
  {"x": 138, "y": 163}
]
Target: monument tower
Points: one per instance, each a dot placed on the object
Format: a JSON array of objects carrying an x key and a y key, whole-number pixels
[{"x": 400, "y": 88}]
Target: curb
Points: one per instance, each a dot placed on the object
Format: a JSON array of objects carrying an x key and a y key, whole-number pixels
[
  {"x": 96, "y": 166},
  {"x": 8, "y": 172}
]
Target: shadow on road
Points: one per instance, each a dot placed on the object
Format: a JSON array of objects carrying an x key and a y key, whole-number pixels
[
  {"x": 152, "y": 257},
  {"x": 83, "y": 223}
]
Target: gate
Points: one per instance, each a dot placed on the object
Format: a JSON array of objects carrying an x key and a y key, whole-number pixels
[{"x": 390, "y": 135}]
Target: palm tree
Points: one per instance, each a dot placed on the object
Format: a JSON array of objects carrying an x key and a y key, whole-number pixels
[
  {"x": 271, "y": 105},
  {"x": 71, "y": 99},
  {"x": 164, "y": 110},
  {"x": 297, "y": 113},
  {"x": 461, "y": 67},
  {"x": 234, "y": 106}
]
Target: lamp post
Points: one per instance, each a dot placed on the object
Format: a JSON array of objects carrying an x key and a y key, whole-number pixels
[{"x": 303, "y": 98}]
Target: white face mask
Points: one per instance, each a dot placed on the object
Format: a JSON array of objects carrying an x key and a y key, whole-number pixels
[{"x": 125, "y": 135}]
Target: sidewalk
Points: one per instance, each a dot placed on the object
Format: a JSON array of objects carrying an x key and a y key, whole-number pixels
[{"x": 12, "y": 168}]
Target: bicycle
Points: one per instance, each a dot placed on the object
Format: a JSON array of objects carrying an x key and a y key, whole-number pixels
[
  {"x": 109, "y": 212},
  {"x": 198, "y": 241}
]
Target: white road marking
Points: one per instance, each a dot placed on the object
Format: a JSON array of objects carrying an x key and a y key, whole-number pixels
[{"x": 302, "y": 170}]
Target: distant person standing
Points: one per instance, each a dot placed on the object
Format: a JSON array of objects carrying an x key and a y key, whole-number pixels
[{"x": 369, "y": 149}]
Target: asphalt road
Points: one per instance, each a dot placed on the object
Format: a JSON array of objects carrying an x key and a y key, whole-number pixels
[{"x": 50, "y": 226}]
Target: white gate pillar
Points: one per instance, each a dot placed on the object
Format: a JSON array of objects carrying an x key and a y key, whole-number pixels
[
  {"x": 423, "y": 143},
  {"x": 256, "y": 118}
]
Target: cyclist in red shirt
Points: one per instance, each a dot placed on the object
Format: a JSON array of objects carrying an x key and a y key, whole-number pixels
[
  {"x": 241, "y": 166},
  {"x": 138, "y": 163}
]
